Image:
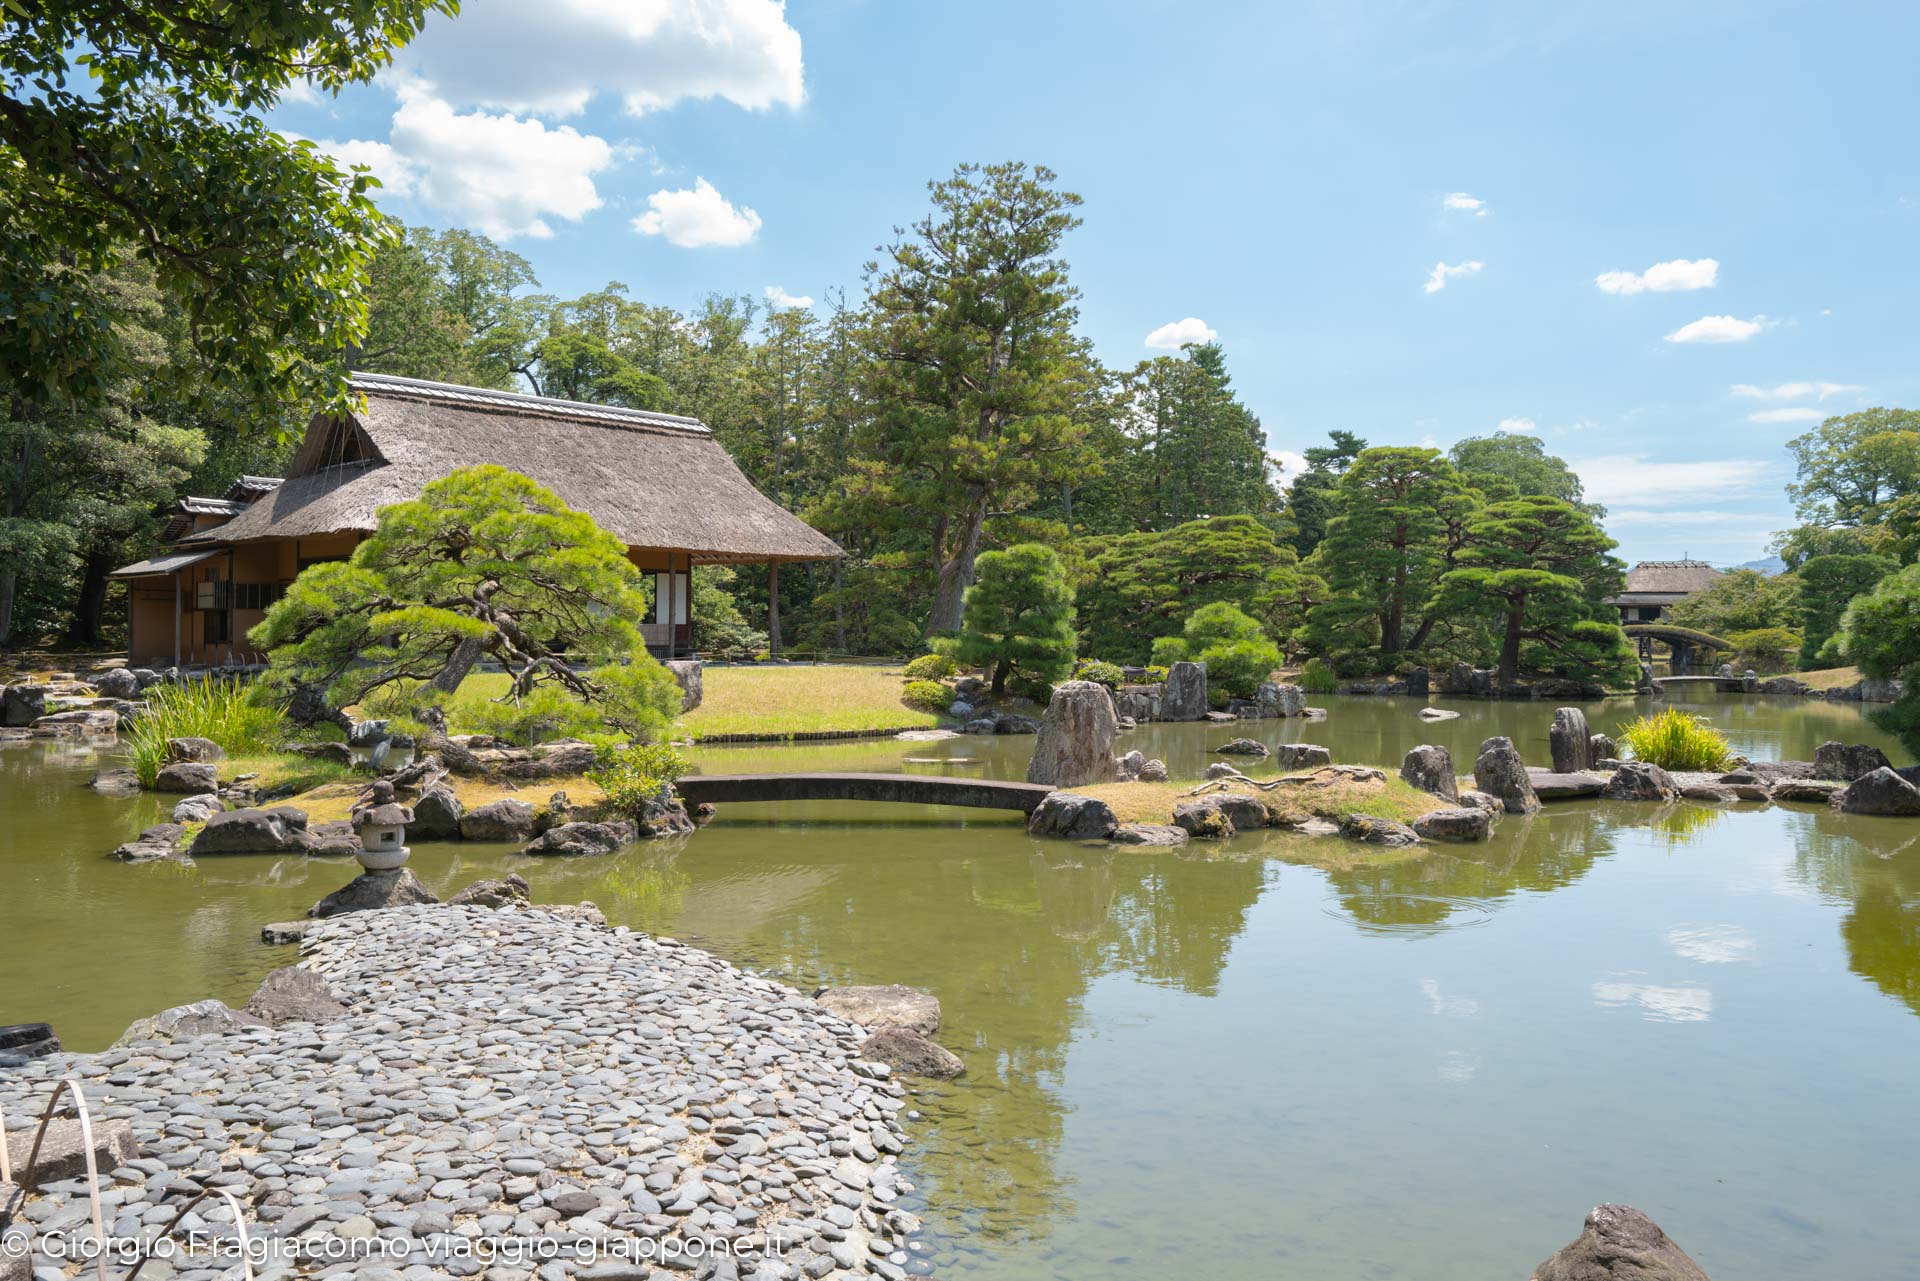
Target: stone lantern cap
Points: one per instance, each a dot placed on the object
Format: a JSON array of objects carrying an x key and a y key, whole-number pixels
[{"x": 391, "y": 814}]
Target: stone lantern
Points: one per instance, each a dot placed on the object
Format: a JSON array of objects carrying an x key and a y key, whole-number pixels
[{"x": 383, "y": 836}]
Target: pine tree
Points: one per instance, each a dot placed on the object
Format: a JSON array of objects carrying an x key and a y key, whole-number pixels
[{"x": 1018, "y": 620}]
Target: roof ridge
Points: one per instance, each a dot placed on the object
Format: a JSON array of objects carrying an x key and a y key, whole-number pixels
[{"x": 521, "y": 402}]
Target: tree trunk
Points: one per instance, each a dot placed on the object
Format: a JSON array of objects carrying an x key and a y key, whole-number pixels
[
  {"x": 956, "y": 574},
  {"x": 459, "y": 663},
  {"x": 1510, "y": 647},
  {"x": 8, "y": 577},
  {"x": 1001, "y": 670},
  {"x": 92, "y": 601},
  {"x": 773, "y": 609}
]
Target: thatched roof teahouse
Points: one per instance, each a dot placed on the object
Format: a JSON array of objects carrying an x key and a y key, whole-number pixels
[{"x": 659, "y": 482}]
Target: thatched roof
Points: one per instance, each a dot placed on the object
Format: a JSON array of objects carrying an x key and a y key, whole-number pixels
[
  {"x": 652, "y": 480},
  {"x": 1667, "y": 581}
]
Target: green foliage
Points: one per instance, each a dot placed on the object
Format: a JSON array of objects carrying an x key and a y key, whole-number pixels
[
  {"x": 1828, "y": 585},
  {"x": 1509, "y": 465},
  {"x": 1192, "y": 449},
  {"x": 1236, "y": 651},
  {"x": 1019, "y": 618},
  {"x": 717, "y": 621},
  {"x": 1765, "y": 649},
  {"x": 1310, "y": 502},
  {"x": 1138, "y": 586},
  {"x": 485, "y": 561},
  {"x": 930, "y": 667},
  {"x": 633, "y": 774},
  {"x": 1740, "y": 600},
  {"x": 237, "y": 716},
  {"x": 927, "y": 696},
  {"x": 1851, "y": 466},
  {"x": 1675, "y": 740},
  {"x": 1168, "y": 650},
  {"x": 1099, "y": 672},
  {"x": 1156, "y": 673},
  {"x": 1318, "y": 678},
  {"x": 130, "y": 130},
  {"x": 1880, "y": 634}
]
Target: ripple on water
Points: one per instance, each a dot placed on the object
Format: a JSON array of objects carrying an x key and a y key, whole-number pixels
[{"x": 1413, "y": 914}]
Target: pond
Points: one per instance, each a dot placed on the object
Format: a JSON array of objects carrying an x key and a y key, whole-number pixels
[{"x": 1274, "y": 1057}]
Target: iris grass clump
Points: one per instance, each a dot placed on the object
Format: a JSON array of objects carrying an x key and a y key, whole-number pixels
[
  {"x": 231, "y": 713},
  {"x": 1673, "y": 739}
]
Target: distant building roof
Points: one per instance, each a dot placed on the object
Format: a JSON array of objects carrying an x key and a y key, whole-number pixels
[
  {"x": 249, "y": 487},
  {"x": 1665, "y": 582}
]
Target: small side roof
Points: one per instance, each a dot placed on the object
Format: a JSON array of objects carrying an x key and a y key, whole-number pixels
[{"x": 165, "y": 563}]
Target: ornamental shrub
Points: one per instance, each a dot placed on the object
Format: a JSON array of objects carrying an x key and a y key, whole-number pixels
[
  {"x": 1765, "y": 649},
  {"x": 1018, "y": 618},
  {"x": 927, "y": 696},
  {"x": 1235, "y": 649},
  {"x": 931, "y": 667},
  {"x": 633, "y": 774},
  {"x": 1673, "y": 739},
  {"x": 1100, "y": 673}
]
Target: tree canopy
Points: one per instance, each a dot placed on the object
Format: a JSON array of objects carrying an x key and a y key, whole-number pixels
[{"x": 1018, "y": 622}]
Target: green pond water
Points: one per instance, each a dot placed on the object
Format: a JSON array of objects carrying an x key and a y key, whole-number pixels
[{"x": 1230, "y": 1061}]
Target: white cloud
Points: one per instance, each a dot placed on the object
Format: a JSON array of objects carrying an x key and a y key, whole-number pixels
[
  {"x": 497, "y": 173},
  {"x": 1713, "y": 944},
  {"x": 780, "y": 300},
  {"x": 1795, "y": 391},
  {"x": 1722, "y": 522},
  {"x": 1174, "y": 336},
  {"x": 697, "y": 219},
  {"x": 1637, "y": 481},
  {"x": 1288, "y": 465},
  {"x": 1787, "y": 416},
  {"x": 1466, "y": 204},
  {"x": 1719, "y": 329},
  {"x": 650, "y": 53},
  {"x": 1663, "y": 277},
  {"x": 1516, "y": 424},
  {"x": 1442, "y": 273}
]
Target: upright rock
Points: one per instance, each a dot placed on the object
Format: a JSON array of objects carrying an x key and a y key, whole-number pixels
[
  {"x": 688, "y": 672},
  {"x": 1075, "y": 744},
  {"x": 436, "y": 816},
  {"x": 1619, "y": 1243},
  {"x": 1430, "y": 768},
  {"x": 1276, "y": 700},
  {"x": 22, "y": 705},
  {"x": 1601, "y": 747},
  {"x": 1185, "y": 695},
  {"x": 1844, "y": 762},
  {"x": 1499, "y": 772},
  {"x": 1571, "y": 741}
]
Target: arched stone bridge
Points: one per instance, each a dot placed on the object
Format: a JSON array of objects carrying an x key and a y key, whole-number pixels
[
  {"x": 908, "y": 789},
  {"x": 1682, "y": 640}
]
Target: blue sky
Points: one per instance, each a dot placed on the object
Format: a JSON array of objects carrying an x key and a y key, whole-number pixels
[{"x": 1665, "y": 237}]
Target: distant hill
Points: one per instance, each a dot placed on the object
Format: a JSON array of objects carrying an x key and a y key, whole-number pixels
[{"x": 1768, "y": 565}]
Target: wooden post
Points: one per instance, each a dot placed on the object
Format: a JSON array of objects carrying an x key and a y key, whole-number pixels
[
  {"x": 673, "y": 609},
  {"x": 176, "y": 619},
  {"x": 773, "y": 609},
  {"x": 229, "y": 609}
]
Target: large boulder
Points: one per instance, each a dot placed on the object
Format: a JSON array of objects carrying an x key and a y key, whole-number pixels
[
  {"x": 194, "y": 749},
  {"x": 335, "y": 838},
  {"x": 436, "y": 816},
  {"x": 1619, "y": 1243},
  {"x": 1881, "y": 792},
  {"x": 1301, "y": 756},
  {"x": 1153, "y": 771},
  {"x": 1012, "y": 724},
  {"x": 575, "y": 839},
  {"x": 22, "y": 705},
  {"x": 1373, "y": 830},
  {"x": 1549, "y": 786},
  {"x": 504, "y": 820},
  {"x": 1601, "y": 747},
  {"x": 883, "y": 1005},
  {"x": 687, "y": 671},
  {"x": 1184, "y": 697},
  {"x": 280, "y": 830},
  {"x": 1203, "y": 818},
  {"x": 1417, "y": 682},
  {"x": 1075, "y": 745},
  {"x": 1245, "y": 811},
  {"x": 1242, "y": 747},
  {"x": 512, "y": 891},
  {"x": 911, "y": 1053},
  {"x": 1458, "y": 680},
  {"x": 1570, "y": 740},
  {"x": 198, "y": 809},
  {"x": 372, "y": 891},
  {"x": 664, "y": 814},
  {"x": 118, "y": 781},
  {"x": 1430, "y": 768},
  {"x": 1076, "y": 817},
  {"x": 1275, "y": 700},
  {"x": 1461, "y": 823},
  {"x": 184, "y": 1022},
  {"x": 1499, "y": 772},
  {"x": 116, "y": 682},
  {"x": 191, "y": 777},
  {"x": 294, "y": 994},
  {"x": 63, "y": 1154},
  {"x": 1844, "y": 762},
  {"x": 1640, "y": 781},
  {"x": 161, "y": 841}
]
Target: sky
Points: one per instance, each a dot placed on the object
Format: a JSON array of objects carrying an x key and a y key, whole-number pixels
[{"x": 1663, "y": 237}]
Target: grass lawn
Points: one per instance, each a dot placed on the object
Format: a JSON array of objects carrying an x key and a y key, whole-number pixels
[
  {"x": 774, "y": 701},
  {"x": 333, "y": 798},
  {"x": 1389, "y": 798},
  {"x": 278, "y": 769},
  {"x": 1829, "y": 678}
]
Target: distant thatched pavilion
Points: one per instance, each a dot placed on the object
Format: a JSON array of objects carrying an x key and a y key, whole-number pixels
[{"x": 659, "y": 482}]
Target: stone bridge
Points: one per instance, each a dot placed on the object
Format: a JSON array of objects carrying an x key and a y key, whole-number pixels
[
  {"x": 905, "y": 789},
  {"x": 1683, "y": 641}
]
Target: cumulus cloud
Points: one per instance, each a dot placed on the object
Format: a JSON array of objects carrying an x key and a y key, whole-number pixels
[
  {"x": 1663, "y": 277},
  {"x": 1516, "y": 424},
  {"x": 1174, "y": 336},
  {"x": 1641, "y": 482},
  {"x": 1466, "y": 204},
  {"x": 1442, "y": 273},
  {"x": 697, "y": 219},
  {"x": 1795, "y": 391},
  {"x": 780, "y": 300},
  {"x": 1787, "y": 416},
  {"x": 500, "y": 174},
  {"x": 649, "y": 53},
  {"x": 1719, "y": 329},
  {"x": 1287, "y": 465}
]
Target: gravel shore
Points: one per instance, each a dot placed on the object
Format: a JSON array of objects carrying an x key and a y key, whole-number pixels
[{"x": 510, "y": 1094}]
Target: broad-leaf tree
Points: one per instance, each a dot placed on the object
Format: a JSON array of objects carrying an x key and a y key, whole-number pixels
[
  {"x": 1510, "y": 465},
  {"x": 974, "y": 384},
  {"x": 1851, "y": 465},
  {"x": 1018, "y": 622},
  {"x": 1828, "y": 585},
  {"x": 484, "y": 562},
  {"x": 129, "y": 126},
  {"x": 1880, "y": 634},
  {"x": 1535, "y": 569},
  {"x": 1740, "y": 600}
]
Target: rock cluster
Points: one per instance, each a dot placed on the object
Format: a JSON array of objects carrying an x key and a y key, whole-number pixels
[{"x": 512, "y": 1076}]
